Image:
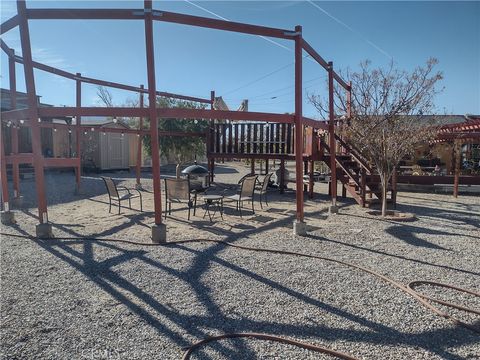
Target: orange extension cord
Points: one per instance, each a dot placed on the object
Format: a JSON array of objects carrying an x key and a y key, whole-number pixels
[{"x": 409, "y": 289}]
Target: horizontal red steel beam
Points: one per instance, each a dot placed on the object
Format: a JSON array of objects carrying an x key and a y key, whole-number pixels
[
  {"x": 222, "y": 25},
  {"x": 8, "y": 24},
  {"x": 61, "y": 162},
  {"x": 15, "y": 115},
  {"x": 221, "y": 114},
  {"x": 85, "y": 14},
  {"x": 92, "y": 111},
  {"x": 6, "y": 49},
  {"x": 313, "y": 53},
  {"x": 83, "y": 128},
  {"x": 137, "y": 14},
  {"x": 316, "y": 124},
  {"x": 251, "y": 156},
  {"x": 21, "y": 158}
]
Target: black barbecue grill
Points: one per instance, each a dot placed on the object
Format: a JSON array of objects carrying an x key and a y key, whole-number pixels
[{"x": 198, "y": 176}]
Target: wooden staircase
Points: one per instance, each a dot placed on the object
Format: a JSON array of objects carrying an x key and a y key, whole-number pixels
[{"x": 355, "y": 173}]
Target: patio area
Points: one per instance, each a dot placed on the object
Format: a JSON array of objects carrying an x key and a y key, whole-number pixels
[{"x": 127, "y": 301}]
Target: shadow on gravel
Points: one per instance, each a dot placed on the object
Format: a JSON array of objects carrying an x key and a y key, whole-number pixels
[
  {"x": 150, "y": 309},
  {"x": 358, "y": 247}
]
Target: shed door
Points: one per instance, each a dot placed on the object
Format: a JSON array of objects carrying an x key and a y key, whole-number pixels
[{"x": 115, "y": 151}]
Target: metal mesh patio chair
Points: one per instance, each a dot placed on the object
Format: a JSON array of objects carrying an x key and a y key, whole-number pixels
[
  {"x": 178, "y": 191},
  {"x": 120, "y": 193},
  {"x": 262, "y": 189},
  {"x": 246, "y": 193}
]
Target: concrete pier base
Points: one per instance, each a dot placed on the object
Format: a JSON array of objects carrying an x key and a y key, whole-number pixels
[
  {"x": 7, "y": 217},
  {"x": 17, "y": 202},
  {"x": 299, "y": 228},
  {"x": 159, "y": 234},
  {"x": 44, "y": 231},
  {"x": 333, "y": 209}
]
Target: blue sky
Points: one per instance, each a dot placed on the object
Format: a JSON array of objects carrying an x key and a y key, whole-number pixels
[{"x": 193, "y": 61}]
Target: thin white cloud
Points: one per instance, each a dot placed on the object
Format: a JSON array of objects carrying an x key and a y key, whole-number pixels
[{"x": 351, "y": 29}]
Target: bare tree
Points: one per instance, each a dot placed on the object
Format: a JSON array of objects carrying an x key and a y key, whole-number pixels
[
  {"x": 389, "y": 109},
  {"x": 105, "y": 96}
]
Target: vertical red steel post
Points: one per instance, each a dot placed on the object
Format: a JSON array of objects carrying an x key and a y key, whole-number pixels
[
  {"x": 78, "y": 132},
  {"x": 3, "y": 173},
  {"x": 139, "y": 142},
  {"x": 13, "y": 99},
  {"x": 211, "y": 138},
  {"x": 298, "y": 123},
  {"x": 331, "y": 131},
  {"x": 152, "y": 106},
  {"x": 32, "y": 111}
]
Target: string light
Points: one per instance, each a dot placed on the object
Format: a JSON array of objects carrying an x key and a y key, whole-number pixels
[
  {"x": 69, "y": 130},
  {"x": 55, "y": 129},
  {"x": 115, "y": 120},
  {"x": 93, "y": 129},
  {"x": 9, "y": 123},
  {"x": 22, "y": 121}
]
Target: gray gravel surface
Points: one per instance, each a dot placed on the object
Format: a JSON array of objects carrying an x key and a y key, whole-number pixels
[{"x": 100, "y": 300}]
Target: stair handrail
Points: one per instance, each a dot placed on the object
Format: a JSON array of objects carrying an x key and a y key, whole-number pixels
[{"x": 355, "y": 153}]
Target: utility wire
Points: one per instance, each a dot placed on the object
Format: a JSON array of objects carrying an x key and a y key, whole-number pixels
[{"x": 351, "y": 29}]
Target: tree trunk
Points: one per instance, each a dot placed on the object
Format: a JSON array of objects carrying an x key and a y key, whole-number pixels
[{"x": 384, "y": 194}]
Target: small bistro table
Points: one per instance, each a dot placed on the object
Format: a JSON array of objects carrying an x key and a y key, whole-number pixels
[{"x": 215, "y": 201}]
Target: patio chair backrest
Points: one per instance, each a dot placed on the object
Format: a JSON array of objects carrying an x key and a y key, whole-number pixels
[
  {"x": 111, "y": 187},
  {"x": 265, "y": 183},
  {"x": 248, "y": 186},
  {"x": 177, "y": 189}
]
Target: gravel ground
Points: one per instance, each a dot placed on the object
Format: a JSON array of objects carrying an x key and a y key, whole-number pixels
[{"x": 101, "y": 300}]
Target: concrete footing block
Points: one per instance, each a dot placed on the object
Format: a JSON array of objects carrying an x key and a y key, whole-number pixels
[
  {"x": 44, "y": 231},
  {"x": 159, "y": 234},
  {"x": 17, "y": 202},
  {"x": 333, "y": 209},
  {"x": 299, "y": 228},
  {"x": 7, "y": 217}
]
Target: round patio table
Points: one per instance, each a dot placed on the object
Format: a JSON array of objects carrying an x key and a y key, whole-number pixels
[{"x": 215, "y": 202}]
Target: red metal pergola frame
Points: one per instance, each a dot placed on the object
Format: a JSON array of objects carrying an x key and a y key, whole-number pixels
[{"x": 32, "y": 115}]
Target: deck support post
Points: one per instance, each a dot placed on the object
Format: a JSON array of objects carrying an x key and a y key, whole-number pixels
[
  {"x": 299, "y": 227},
  {"x": 331, "y": 132},
  {"x": 158, "y": 230},
  {"x": 38, "y": 161},
  {"x": 282, "y": 176},
  {"x": 211, "y": 139},
  {"x": 138, "y": 167},
  {"x": 78, "y": 135}
]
